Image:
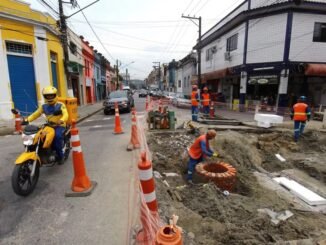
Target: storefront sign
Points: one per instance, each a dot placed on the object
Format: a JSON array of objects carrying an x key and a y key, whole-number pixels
[{"x": 269, "y": 79}]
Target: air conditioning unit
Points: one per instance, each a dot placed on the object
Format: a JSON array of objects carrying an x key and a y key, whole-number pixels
[
  {"x": 214, "y": 50},
  {"x": 227, "y": 56}
]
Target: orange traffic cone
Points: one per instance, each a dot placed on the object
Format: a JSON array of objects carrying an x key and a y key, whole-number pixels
[
  {"x": 134, "y": 141},
  {"x": 147, "y": 182},
  {"x": 81, "y": 184},
  {"x": 168, "y": 235},
  {"x": 18, "y": 126},
  {"x": 117, "y": 128}
]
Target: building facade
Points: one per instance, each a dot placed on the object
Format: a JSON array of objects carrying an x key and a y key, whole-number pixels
[
  {"x": 97, "y": 75},
  {"x": 31, "y": 57},
  {"x": 186, "y": 72},
  {"x": 89, "y": 84},
  {"x": 76, "y": 65},
  {"x": 271, "y": 49}
]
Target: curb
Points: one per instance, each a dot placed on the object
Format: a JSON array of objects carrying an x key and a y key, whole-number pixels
[
  {"x": 9, "y": 131},
  {"x": 88, "y": 115}
]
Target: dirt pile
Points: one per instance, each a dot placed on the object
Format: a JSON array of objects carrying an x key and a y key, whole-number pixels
[{"x": 210, "y": 217}]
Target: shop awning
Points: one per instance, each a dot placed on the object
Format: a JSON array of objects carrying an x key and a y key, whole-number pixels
[
  {"x": 315, "y": 70},
  {"x": 216, "y": 74}
]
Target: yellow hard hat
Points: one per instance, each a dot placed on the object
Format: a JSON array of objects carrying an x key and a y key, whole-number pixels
[{"x": 50, "y": 95}]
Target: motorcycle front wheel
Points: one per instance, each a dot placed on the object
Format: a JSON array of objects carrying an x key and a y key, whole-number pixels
[{"x": 21, "y": 180}]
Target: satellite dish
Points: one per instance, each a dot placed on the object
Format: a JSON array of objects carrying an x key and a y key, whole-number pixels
[{"x": 263, "y": 81}]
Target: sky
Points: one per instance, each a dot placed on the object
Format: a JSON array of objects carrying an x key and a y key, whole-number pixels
[{"x": 140, "y": 32}]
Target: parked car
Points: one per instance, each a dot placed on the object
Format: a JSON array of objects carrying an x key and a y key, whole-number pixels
[
  {"x": 123, "y": 98},
  {"x": 181, "y": 100},
  {"x": 142, "y": 93}
]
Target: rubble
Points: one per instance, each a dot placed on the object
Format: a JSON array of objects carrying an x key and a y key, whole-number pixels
[{"x": 217, "y": 218}]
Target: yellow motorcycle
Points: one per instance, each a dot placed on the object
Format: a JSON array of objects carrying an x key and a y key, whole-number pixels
[{"x": 38, "y": 152}]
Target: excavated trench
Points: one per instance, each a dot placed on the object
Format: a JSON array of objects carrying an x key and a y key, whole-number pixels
[{"x": 210, "y": 217}]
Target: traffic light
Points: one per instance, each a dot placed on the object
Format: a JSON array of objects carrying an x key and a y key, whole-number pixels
[{"x": 297, "y": 2}]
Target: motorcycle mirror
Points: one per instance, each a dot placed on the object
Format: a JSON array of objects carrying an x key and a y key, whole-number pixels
[
  {"x": 14, "y": 111},
  {"x": 57, "y": 113}
]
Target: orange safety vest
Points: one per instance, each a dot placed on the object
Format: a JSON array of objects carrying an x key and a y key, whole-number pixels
[
  {"x": 300, "y": 112},
  {"x": 195, "y": 151},
  {"x": 206, "y": 99},
  {"x": 194, "y": 101}
]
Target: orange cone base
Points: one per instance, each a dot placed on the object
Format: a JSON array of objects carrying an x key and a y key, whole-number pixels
[
  {"x": 143, "y": 237},
  {"x": 81, "y": 192},
  {"x": 131, "y": 147}
]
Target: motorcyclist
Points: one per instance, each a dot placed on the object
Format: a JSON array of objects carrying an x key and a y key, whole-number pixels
[{"x": 50, "y": 106}]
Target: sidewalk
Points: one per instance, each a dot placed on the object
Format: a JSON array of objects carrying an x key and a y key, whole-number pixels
[{"x": 84, "y": 111}]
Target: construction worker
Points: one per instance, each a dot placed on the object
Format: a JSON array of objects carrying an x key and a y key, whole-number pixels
[
  {"x": 205, "y": 100},
  {"x": 52, "y": 105},
  {"x": 198, "y": 151},
  {"x": 300, "y": 114},
  {"x": 194, "y": 103}
]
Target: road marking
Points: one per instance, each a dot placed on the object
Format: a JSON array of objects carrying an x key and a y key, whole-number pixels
[
  {"x": 90, "y": 120},
  {"x": 97, "y": 126},
  {"x": 107, "y": 118},
  {"x": 7, "y": 136}
]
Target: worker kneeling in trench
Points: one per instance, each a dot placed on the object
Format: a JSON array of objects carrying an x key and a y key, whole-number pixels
[{"x": 198, "y": 151}]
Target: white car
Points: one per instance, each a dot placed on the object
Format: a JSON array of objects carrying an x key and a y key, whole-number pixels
[{"x": 182, "y": 100}]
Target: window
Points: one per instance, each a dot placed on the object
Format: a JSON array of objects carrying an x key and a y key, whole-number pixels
[
  {"x": 184, "y": 82},
  {"x": 53, "y": 57},
  {"x": 20, "y": 48},
  {"x": 209, "y": 53},
  {"x": 319, "y": 32},
  {"x": 73, "y": 48},
  {"x": 179, "y": 83},
  {"x": 232, "y": 43}
]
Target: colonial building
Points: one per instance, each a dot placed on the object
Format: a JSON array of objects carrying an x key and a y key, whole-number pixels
[
  {"x": 76, "y": 65},
  {"x": 31, "y": 57},
  {"x": 97, "y": 75},
  {"x": 268, "y": 48},
  {"x": 186, "y": 74},
  {"x": 171, "y": 75},
  {"x": 89, "y": 83}
]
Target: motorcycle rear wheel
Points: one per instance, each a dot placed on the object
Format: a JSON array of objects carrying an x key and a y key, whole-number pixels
[{"x": 21, "y": 181}]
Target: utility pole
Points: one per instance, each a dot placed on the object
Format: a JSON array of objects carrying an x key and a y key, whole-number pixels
[
  {"x": 159, "y": 71},
  {"x": 117, "y": 71},
  {"x": 64, "y": 40},
  {"x": 198, "y": 44},
  {"x": 127, "y": 77},
  {"x": 64, "y": 33}
]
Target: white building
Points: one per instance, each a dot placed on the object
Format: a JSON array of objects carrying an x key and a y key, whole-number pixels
[
  {"x": 186, "y": 72},
  {"x": 268, "y": 48},
  {"x": 76, "y": 64}
]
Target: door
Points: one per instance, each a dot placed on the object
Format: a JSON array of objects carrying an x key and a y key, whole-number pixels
[{"x": 22, "y": 82}]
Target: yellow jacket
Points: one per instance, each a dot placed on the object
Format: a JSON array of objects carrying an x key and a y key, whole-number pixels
[{"x": 48, "y": 110}]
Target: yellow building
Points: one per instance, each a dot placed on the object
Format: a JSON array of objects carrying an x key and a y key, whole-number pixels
[{"x": 31, "y": 57}]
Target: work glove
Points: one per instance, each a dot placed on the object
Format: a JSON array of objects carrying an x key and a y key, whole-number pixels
[{"x": 215, "y": 154}]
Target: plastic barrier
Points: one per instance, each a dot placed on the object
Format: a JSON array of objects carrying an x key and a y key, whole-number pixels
[
  {"x": 117, "y": 128},
  {"x": 134, "y": 141},
  {"x": 81, "y": 184},
  {"x": 18, "y": 126}
]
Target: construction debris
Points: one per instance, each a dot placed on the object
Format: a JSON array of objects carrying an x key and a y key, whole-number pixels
[{"x": 276, "y": 217}]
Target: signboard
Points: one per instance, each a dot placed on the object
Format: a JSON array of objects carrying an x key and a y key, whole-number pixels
[{"x": 268, "y": 79}]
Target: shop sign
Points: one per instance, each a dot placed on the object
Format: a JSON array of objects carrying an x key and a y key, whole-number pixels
[{"x": 271, "y": 79}]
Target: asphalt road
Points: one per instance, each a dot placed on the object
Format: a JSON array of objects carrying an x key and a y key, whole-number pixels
[{"x": 47, "y": 216}]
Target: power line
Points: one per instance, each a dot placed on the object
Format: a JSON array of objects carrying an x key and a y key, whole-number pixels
[
  {"x": 94, "y": 32},
  {"x": 48, "y": 6}
]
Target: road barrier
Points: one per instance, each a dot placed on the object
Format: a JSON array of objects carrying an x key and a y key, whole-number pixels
[
  {"x": 134, "y": 141},
  {"x": 81, "y": 184},
  {"x": 18, "y": 121},
  {"x": 117, "y": 128},
  {"x": 147, "y": 182}
]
